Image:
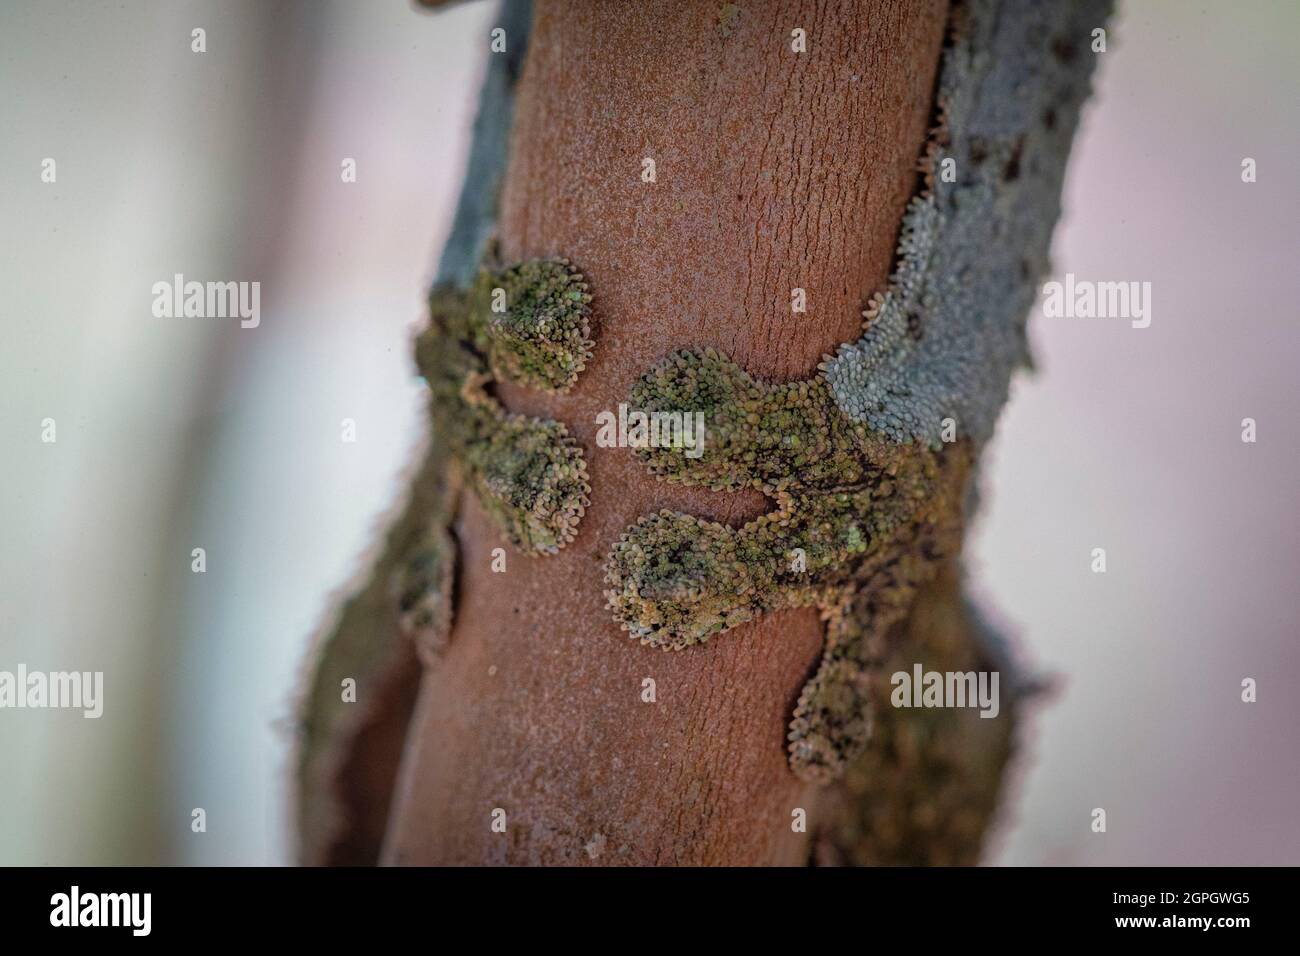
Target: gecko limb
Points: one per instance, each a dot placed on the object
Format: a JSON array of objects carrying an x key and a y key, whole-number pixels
[
  {"x": 851, "y": 512},
  {"x": 528, "y": 324}
]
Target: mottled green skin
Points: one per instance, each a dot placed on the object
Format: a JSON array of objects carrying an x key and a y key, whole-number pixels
[
  {"x": 926, "y": 789},
  {"x": 838, "y": 708},
  {"x": 855, "y": 456},
  {"x": 529, "y": 473},
  {"x": 851, "y": 512},
  {"x": 876, "y": 522},
  {"x": 543, "y": 338},
  {"x": 424, "y": 587}
]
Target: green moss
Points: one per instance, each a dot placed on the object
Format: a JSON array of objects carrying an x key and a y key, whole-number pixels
[{"x": 850, "y": 513}]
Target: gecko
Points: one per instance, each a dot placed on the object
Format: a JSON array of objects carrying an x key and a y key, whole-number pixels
[
  {"x": 528, "y": 323},
  {"x": 866, "y": 462},
  {"x": 864, "y": 509},
  {"x": 852, "y": 510}
]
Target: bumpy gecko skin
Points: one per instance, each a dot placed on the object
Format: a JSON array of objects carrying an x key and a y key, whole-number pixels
[
  {"x": 869, "y": 501},
  {"x": 543, "y": 338},
  {"x": 925, "y": 790},
  {"x": 851, "y": 511},
  {"x": 424, "y": 592},
  {"x": 529, "y": 474},
  {"x": 943, "y": 340}
]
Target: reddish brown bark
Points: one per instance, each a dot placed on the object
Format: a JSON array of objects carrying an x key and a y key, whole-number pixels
[{"x": 775, "y": 170}]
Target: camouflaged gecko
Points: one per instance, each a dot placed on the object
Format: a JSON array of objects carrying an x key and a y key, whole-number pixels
[
  {"x": 529, "y": 324},
  {"x": 867, "y": 499},
  {"x": 869, "y": 502},
  {"x": 853, "y": 511}
]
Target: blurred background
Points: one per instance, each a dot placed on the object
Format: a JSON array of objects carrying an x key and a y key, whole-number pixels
[{"x": 175, "y": 434}]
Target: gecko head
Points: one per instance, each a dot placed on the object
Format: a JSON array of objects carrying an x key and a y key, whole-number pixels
[{"x": 676, "y": 580}]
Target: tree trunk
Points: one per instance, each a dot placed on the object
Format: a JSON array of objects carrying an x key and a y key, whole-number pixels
[{"x": 732, "y": 178}]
